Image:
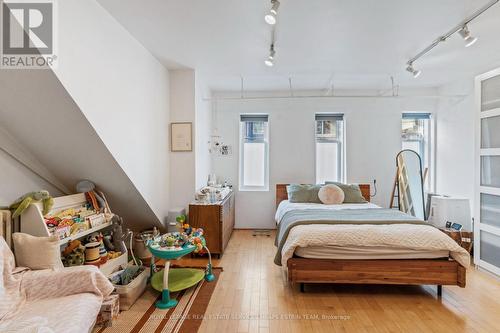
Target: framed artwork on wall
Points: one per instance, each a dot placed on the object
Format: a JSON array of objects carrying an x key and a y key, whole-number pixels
[{"x": 181, "y": 136}]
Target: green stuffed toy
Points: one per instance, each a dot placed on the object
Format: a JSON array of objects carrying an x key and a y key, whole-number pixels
[{"x": 23, "y": 202}]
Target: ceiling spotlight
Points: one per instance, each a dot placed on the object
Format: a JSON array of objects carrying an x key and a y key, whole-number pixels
[
  {"x": 270, "y": 60},
  {"x": 413, "y": 71},
  {"x": 468, "y": 38},
  {"x": 271, "y": 17}
]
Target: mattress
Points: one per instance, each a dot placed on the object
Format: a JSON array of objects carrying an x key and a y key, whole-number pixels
[{"x": 366, "y": 252}]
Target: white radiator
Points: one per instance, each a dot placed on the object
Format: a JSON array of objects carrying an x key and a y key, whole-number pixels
[{"x": 6, "y": 228}]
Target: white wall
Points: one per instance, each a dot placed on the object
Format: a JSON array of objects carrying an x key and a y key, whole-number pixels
[
  {"x": 122, "y": 90},
  {"x": 189, "y": 170},
  {"x": 16, "y": 180},
  {"x": 182, "y": 164},
  {"x": 203, "y": 115},
  {"x": 455, "y": 141},
  {"x": 51, "y": 134},
  {"x": 22, "y": 172},
  {"x": 373, "y": 138}
]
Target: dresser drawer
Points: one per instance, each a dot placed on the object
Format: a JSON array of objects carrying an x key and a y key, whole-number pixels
[{"x": 216, "y": 220}]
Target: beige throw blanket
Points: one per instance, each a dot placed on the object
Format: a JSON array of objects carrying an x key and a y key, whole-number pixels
[{"x": 48, "y": 295}]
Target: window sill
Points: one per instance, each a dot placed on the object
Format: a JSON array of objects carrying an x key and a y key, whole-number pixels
[{"x": 246, "y": 189}]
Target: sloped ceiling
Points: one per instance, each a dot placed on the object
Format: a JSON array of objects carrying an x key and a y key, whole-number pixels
[{"x": 37, "y": 110}]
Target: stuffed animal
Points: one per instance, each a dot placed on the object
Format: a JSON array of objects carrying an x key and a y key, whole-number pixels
[
  {"x": 118, "y": 236},
  {"x": 20, "y": 205},
  {"x": 108, "y": 243},
  {"x": 113, "y": 254},
  {"x": 93, "y": 237},
  {"x": 74, "y": 254},
  {"x": 170, "y": 240}
]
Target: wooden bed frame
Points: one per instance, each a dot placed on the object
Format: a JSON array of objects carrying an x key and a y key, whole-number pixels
[{"x": 388, "y": 271}]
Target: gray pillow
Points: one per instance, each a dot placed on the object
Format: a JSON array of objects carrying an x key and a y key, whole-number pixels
[
  {"x": 352, "y": 193},
  {"x": 298, "y": 193}
]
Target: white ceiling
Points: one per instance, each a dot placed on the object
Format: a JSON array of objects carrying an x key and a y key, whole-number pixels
[{"x": 354, "y": 44}]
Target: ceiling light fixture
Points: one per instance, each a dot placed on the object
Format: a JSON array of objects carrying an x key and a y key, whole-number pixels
[
  {"x": 461, "y": 28},
  {"x": 468, "y": 38},
  {"x": 413, "y": 71},
  {"x": 270, "y": 18},
  {"x": 270, "y": 59}
]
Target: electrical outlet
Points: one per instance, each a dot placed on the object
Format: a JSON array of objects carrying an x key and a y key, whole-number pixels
[{"x": 374, "y": 188}]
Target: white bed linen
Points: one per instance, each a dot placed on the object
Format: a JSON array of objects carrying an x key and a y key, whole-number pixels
[{"x": 425, "y": 241}]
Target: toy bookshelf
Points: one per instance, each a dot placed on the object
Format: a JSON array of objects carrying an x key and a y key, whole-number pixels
[{"x": 33, "y": 223}]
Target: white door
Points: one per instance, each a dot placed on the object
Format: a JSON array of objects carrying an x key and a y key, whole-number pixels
[{"x": 487, "y": 200}]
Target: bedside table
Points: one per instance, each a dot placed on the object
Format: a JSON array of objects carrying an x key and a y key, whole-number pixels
[{"x": 463, "y": 238}]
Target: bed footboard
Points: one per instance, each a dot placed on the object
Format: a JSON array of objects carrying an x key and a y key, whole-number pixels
[{"x": 404, "y": 272}]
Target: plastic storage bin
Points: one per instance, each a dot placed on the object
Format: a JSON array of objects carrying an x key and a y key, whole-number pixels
[{"x": 131, "y": 292}]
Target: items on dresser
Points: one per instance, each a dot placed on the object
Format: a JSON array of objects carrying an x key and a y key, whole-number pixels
[
  {"x": 211, "y": 194},
  {"x": 212, "y": 180},
  {"x": 217, "y": 219}
]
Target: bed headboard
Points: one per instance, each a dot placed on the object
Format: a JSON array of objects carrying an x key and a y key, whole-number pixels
[{"x": 282, "y": 194}]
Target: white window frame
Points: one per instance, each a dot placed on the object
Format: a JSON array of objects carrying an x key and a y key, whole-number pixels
[
  {"x": 342, "y": 141},
  {"x": 431, "y": 178},
  {"x": 241, "y": 186}
]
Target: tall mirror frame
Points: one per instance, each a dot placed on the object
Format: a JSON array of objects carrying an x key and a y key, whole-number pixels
[{"x": 410, "y": 183}]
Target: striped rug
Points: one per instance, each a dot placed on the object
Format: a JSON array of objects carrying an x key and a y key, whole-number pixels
[{"x": 187, "y": 316}]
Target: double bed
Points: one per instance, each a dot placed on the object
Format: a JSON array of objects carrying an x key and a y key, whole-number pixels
[{"x": 364, "y": 244}]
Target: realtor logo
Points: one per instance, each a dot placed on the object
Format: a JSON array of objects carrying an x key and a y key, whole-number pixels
[{"x": 28, "y": 32}]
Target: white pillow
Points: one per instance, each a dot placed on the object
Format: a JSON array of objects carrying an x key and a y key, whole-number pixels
[
  {"x": 37, "y": 252},
  {"x": 331, "y": 195}
]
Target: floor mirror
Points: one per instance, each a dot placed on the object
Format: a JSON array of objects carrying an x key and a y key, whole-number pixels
[{"x": 410, "y": 184}]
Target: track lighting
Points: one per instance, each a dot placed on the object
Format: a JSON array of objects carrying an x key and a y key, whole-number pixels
[
  {"x": 413, "y": 71},
  {"x": 461, "y": 28},
  {"x": 468, "y": 38},
  {"x": 271, "y": 17},
  {"x": 270, "y": 60}
]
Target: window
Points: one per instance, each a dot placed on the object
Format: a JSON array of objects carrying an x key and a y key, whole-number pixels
[
  {"x": 329, "y": 147},
  {"x": 416, "y": 136},
  {"x": 254, "y": 153}
]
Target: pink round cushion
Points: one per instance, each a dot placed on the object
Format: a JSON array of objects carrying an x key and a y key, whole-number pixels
[{"x": 331, "y": 194}]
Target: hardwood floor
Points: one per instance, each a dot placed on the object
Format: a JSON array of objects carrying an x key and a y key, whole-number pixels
[{"x": 252, "y": 296}]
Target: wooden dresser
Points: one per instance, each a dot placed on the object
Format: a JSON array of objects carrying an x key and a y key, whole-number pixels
[{"x": 217, "y": 220}]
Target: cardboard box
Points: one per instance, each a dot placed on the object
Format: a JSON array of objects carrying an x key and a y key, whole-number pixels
[{"x": 109, "y": 311}]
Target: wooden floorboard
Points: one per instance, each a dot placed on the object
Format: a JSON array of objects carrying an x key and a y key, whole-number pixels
[{"x": 253, "y": 296}]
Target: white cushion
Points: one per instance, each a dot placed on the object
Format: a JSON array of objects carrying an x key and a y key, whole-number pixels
[
  {"x": 37, "y": 252},
  {"x": 331, "y": 195}
]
